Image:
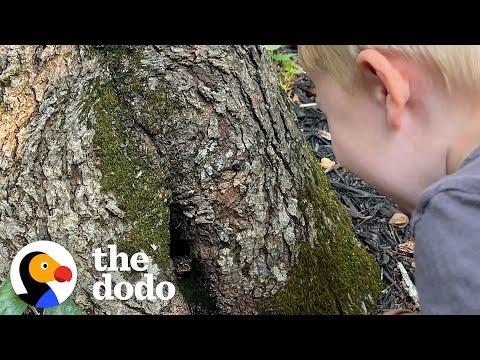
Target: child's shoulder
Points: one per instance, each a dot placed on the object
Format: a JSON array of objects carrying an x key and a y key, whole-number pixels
[{"x": 446, "y": 229}]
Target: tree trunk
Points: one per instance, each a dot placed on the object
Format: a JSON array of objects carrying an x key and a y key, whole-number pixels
[{"x": 188, "y": 152}]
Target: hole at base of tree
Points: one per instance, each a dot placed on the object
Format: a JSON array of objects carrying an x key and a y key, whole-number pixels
[
  {"x": 178, "y": 243},
  {"x": 191, "y": 282},
  {"x": 179, "y": 246}
]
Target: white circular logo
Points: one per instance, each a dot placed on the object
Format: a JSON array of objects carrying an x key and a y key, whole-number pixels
[{"x": 43, "y": 274}]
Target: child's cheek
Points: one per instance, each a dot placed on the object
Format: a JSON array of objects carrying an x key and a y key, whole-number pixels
[
  {"x": 342, "y": 147},
  {"x": 337, "y": 145}
]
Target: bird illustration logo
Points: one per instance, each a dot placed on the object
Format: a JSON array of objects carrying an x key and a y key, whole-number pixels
[{"x": 43, "y": 274}]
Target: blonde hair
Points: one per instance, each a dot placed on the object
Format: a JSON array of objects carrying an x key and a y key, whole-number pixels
[{"x": 459, "y": 65}]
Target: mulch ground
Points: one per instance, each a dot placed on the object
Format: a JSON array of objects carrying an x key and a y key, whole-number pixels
[{"x": 388, "y": 240}]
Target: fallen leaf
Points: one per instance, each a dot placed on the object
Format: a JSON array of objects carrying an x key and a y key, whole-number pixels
[
  {"x": 334, "y": 167},
  {"x": 310, "y": 90},
  {"x": 406, "y": 247},
  {"x": 399, "y": 220},
  {"x": 295, "y": 99},
  {"x": 326, "y": 163}
]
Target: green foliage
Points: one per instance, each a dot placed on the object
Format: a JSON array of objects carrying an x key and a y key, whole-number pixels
[
  {"x": 272, "y": 47},
  {"x": 287, "y": 66},
  {"x": 68, "y": 307},
  {"x": 10, "y": 303}
]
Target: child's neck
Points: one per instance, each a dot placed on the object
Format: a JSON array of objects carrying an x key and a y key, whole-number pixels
[
  {"x": 466, "y": 139},
  {"x": 450, "y": 135}
]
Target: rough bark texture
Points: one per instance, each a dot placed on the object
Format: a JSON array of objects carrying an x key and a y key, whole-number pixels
[{"x": 189, "y": 150}]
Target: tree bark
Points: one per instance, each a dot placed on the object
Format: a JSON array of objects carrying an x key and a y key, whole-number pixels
[{"x": 186, "y": 151}]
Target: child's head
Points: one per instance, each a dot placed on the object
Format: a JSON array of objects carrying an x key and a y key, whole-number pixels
[{"x": 400, "y": 117}]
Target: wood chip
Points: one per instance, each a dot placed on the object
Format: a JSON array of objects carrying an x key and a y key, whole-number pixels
[
  {"x": 310, "y": 90},
  {"x": 408, "y": 285},
  {"x": 325, "y": 134},
  {"x": 308, "y": 105}
]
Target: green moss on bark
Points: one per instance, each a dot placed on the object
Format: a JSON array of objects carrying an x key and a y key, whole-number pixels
[
  {"x": 126, "y": 173},
  {"x": 335, "y": 275},
  {"x": 137, "y": 182}
]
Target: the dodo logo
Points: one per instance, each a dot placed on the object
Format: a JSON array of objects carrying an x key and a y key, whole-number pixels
[{"x": 43, "y": 274}]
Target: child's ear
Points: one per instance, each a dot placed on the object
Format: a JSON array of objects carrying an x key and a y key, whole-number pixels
[{"x": 384, "y": 78}]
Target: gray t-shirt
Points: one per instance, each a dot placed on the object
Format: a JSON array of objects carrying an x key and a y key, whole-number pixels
[{"x": 446, "y": 229}]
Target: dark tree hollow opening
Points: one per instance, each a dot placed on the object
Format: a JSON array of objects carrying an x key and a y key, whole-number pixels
[
  {"x": 179, "y": 245},
  {"x": 191, "y": 280}
]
